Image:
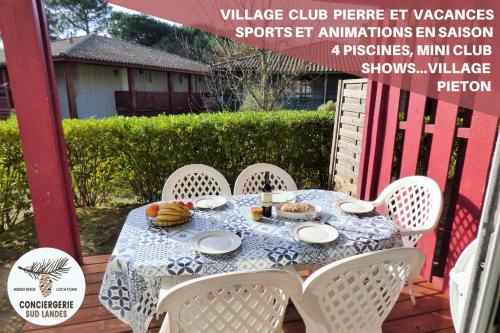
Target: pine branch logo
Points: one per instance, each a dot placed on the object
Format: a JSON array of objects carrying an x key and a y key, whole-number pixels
[
  {"x": 46, "y": 286},
  {"x": 46, "y": 272}
]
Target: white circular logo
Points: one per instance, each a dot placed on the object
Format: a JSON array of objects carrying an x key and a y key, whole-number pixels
[{"x": 46, "y": 286}]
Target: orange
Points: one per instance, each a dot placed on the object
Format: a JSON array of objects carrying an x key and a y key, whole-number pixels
[{"x": 152, "y": 210}]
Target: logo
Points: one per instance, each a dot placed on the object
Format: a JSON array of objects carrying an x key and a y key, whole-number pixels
[{"x": 46, "y": 286}]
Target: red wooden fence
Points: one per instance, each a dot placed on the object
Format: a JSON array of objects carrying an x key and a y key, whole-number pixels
[{"x": 407, "y": 134}]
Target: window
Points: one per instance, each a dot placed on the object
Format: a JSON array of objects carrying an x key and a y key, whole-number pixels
[{"x": 304, "y": 89}]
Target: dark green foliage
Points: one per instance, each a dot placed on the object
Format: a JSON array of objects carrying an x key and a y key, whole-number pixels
[
  {"x": 148, "y": 31},
  {"x": 117, "y": 156}
]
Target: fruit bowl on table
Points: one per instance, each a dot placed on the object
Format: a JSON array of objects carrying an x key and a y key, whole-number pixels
[{"x": 169, "y": 213}]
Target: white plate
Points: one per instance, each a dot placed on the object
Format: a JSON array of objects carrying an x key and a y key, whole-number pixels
[
  {"x": 280, "y": 197},
  {"x": 215, "y": 242},
  {"x": 354, "y": 206},
  {"x": 210, "y": 202},
  {"x": 311, "y": 232},
  {"x": 300, "y": 216}
]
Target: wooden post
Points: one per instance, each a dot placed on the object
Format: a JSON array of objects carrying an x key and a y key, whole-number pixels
[
  {"x": 377, "y": 121},
  {"x": 131, "y": 88},
  {"x": 413, "y": 134},
  {"x": 325, "y": 88},
  {"x": 170, "y": 91},
  {"x": 364, "y": 159},
  {"x": 4, "y": 84},
  {"x": 390, "y": 129},
  {"x": 190, "y": 91},
  {"x": 27, "y": 49},
  {"x": 70, "y": 90}
]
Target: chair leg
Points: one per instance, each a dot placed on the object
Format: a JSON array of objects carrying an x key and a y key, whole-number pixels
[
  {"x": 412, "y": 293},
  {"x": 165, "y": 326}
]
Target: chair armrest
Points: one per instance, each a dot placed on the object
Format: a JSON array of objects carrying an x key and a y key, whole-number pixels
[{"x": 416, "y": 231}]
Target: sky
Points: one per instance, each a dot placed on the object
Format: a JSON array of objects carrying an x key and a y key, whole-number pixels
[{"x": 126, "y": 10}]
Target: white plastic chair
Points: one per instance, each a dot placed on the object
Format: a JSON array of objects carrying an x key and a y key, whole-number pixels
[
  {"x": 415, "y": 204},
  {"x": 356, "y": 294},
  {"x": 251, "y": 180},
  {"x": 195, "y": 180},
  {"x": 460, "y": 277},
  {"x": 251, "y": 302}
]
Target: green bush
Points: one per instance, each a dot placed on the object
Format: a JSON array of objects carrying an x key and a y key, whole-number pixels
[
  {"x": 133, "y": 156},
  {"x": 93, "y": 159},
  {"x": 328, "y": 106},
  {"x": 14, "y": 194}
]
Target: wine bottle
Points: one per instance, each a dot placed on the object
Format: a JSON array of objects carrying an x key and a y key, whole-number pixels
[{"x": 267, "y": 197}]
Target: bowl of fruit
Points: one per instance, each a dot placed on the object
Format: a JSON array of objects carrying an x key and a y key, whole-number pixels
[{"x": 169, "y": 213}]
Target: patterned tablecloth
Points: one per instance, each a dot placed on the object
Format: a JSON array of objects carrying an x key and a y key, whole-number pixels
[{"x": 144, "y": 254}]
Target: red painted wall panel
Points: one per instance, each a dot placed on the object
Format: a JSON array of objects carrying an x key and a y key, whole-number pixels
[
  {"x": 473, "y": 181},
  {"x": 375, "y": 164}
]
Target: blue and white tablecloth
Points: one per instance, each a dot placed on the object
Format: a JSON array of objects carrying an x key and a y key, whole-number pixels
[{"x": 144, "y": 254}]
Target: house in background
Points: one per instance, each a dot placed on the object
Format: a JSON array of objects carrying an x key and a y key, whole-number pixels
[
  {"x": 314, "y": 84},
  {"x": 100, "y": 77}
]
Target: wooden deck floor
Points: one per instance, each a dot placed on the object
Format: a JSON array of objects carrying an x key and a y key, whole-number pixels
[{"x": 431, "y": 314}]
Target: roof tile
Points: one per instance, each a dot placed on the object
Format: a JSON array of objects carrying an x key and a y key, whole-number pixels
[{"x": 114, "y": 50}]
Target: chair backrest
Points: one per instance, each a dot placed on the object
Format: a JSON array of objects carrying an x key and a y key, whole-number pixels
[
  {"x": 252, "y": 302},
  {"x": 415, "y": 203},
  {"x": 195, "y": 180},
  {"x": 460, "y": 278},
  {"x": 251, "y": 180},
  {"x": 355, "y": 295}
]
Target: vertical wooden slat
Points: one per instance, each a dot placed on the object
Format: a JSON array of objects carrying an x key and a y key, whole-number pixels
[
  {"x": 370, "y": 108},
  {"x": 70, "y": 90},
  {"x": 389, "y": 138},
  {"x": 413, "y": 134},
  {"x": 439, "y": 161},
  {"x": 376, "y": 144},
  {"x": 480, "y": 144},
  {"x": 131, "y": 89},
  {"x": 333, "y": 153},
  {"x": 170, "y": 91},
  {"x": 190, "y": 91}
]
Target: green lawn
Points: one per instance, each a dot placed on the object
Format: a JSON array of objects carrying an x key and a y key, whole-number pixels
[{"x": 99, "y": 228}]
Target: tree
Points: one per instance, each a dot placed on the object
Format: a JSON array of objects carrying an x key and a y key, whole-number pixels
[
  {"x": 253, "y": 78},
  {"x": 73, "y": 16},
  {"x": 148, "y": 31},
  {"x": 139, "y": 28}
]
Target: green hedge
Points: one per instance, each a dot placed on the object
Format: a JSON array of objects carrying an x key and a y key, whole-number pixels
[
  {"x": 14, "y": 194},
  {"x": 132, "y": 157}
]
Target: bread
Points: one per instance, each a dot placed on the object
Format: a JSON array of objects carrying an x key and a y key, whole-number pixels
[{"x": 297, "y": 207}]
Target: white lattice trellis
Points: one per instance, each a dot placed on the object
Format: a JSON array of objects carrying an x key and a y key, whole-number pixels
[
  {"x": 252, "y": 302},
  {"x": 251, "y": 180},
  {"x": 195, "y": 180},
  {"x": 355, "y": 295}
]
